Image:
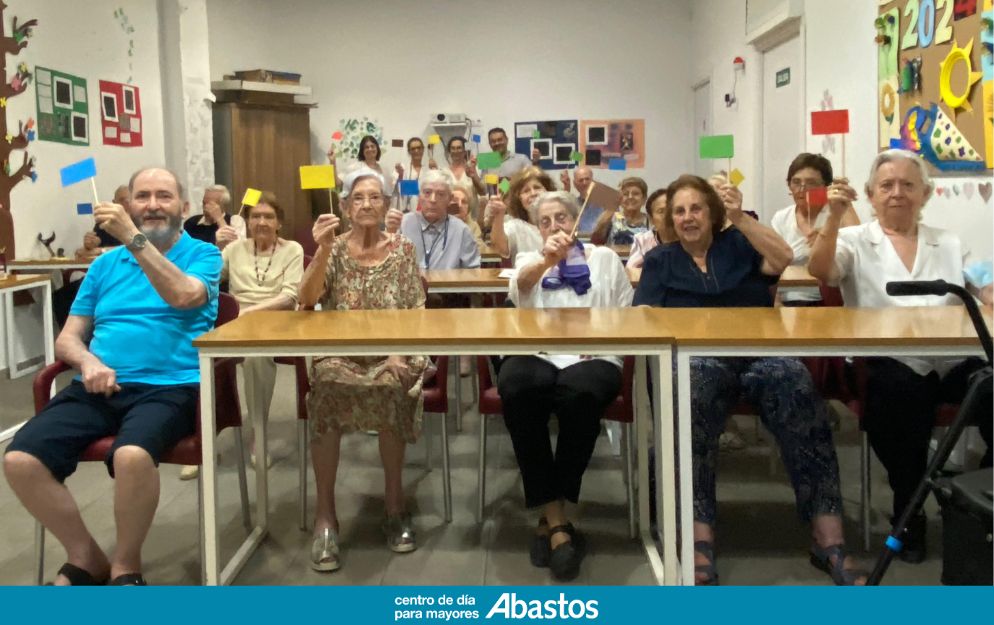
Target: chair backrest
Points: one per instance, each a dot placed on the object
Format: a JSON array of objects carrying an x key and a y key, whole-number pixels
[{"x": 227, "y": 309}]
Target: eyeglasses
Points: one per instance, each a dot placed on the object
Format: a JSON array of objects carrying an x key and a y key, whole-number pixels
[
  {"x": 799, "y": 184},
  {"x": 373, "y": 200},
  {"x": 559, "y": 218},
  {"x": 257, "y": 216}
]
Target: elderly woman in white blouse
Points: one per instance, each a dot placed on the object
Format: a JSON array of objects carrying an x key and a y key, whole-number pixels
[
  {"x": 263, "y": 273},
  {"x": 902, "y": 393},
  {"x": 578, "y": 389}
]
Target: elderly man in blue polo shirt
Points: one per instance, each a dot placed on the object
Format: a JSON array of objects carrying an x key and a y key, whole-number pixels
[
  {"x": 130, "y": 334},
  {"x": 441, "y": 241}
]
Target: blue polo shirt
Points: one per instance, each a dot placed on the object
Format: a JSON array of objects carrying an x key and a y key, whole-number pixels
[
  {"x": 671, "y": 278},
  {"x": 135, "y": 332}
]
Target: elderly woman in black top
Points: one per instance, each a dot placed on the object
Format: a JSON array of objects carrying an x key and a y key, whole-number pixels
[{"x": 710, "y": 267}]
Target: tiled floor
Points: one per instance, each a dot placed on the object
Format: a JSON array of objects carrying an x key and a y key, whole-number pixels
[{"x": 760, "y": 540}]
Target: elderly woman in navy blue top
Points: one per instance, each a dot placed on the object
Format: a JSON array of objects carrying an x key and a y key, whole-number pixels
[{"x": 711, "y": 267}]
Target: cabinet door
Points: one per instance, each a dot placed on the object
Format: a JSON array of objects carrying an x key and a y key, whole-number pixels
[{"x": 268, "y": 145}]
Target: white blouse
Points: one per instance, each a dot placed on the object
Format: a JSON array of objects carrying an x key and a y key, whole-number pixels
[
  {"x": 784, "y": 223},
  {"x": 522, "y": 238},
  {"x": 610, "y": 287},
  {"x": 866, "y": 261}
]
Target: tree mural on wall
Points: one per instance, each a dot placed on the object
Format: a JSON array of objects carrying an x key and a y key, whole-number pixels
[{"x": 9, "y": 176}]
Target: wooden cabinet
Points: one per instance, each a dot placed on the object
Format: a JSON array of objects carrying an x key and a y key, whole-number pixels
[{"x": 262, "y": 146}]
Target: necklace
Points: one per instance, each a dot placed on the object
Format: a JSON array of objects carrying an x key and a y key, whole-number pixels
[{"x": 260, "y": 278}]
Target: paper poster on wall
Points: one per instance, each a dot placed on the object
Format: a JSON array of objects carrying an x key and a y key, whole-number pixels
[
  {"x": 63, "y": 109},
  {"x": 120, "y": 114},
  {"x": 933, "y": 55},
  {"x": 614, "y": 139},
  {"x": 547, "y": 137}
]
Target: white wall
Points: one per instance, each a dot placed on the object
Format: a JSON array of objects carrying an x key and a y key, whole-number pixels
[
  {"x": 500, "y": 62},
  {"x": 840, "y": 57},
  {"x": 84, "y": 39}
]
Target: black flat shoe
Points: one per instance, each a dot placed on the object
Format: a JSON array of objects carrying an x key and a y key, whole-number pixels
[
  {"x": 128, "y": 579},
  {"x": 565, "y": 559},
  {"x": 78, "y": 576},
  {"x": 914, "y": 551},
  {"x": 540, "y": 550}
]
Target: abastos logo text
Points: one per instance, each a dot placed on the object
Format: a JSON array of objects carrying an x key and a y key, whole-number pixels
[{"x": 510, "y": 607}]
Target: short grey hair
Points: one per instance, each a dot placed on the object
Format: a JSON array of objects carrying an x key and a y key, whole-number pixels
[
  {"x": 225, "y": 195},
  {"x": 361, "y": 173},
  {"x": 892, "y": 155},
  {"x": 436, "y": 176},
  {"x": 566, "y": 200},
  {"x": 179, "y": 185},
  {"x": 889, "y": 156}
]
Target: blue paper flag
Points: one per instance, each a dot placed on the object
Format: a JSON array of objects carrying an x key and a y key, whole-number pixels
[
  {"x": 84, "y": 208},
  {"x": 77, "y": 172},
  {"x": 409, "y": 187},
  {"x": 896, "y": 144},
  {"x": 617, "y": 164},
  {"x": 476, "y": 138}
]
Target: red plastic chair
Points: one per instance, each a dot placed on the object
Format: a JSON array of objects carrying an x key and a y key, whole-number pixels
[
  {"x": 621, "y": 410},
  {"x": 188, "y": 451}
]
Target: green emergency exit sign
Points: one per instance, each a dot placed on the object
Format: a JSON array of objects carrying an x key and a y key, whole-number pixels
[{"x": 783, "y": 77}]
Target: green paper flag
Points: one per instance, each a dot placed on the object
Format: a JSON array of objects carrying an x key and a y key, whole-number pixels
[
  {"x": 576, "y": 157},
  {"x": 488, "y": 160},
  {"x": 718, "y": 146},
  {"x": 504, "y": 186},
  {"x": 536, "y": 134}
]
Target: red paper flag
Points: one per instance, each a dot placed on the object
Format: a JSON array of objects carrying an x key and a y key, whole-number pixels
[
  {"x": 830, "y": 122},
  {"x": 817, "y": 197},
  {"x": 337, "y": 135}
]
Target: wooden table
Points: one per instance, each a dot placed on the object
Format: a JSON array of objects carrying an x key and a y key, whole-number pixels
[
  {"x": 482, "y": 280},
  {"x": 819, "y": 331},
  {"x": 412, "y": 332},
  {"x": 8, "y": 286},
  {"x": 51, "y": 264}
]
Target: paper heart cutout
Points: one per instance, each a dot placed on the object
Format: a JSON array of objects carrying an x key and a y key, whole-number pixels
[
  {"x": 985, "y": 191},
  {"x": 956, "y": 189},
  {"x": 968, "y": 190},
  {"x": 939, "y": 191}
]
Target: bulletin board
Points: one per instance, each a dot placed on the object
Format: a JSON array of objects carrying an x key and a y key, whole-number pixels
[
  {"x": 63, "y": 110},
  {"x": 120, "y": 114},
  {"x": 555, "y": 140},
  {"x": 934, "y": 84},
  {"x": 607, "y": 139}
]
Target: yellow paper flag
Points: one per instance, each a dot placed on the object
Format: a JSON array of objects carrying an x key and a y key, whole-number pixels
[
  {"x": 434, "y": 140},
  {"x": 491, "y": 179},
  {"x": 251, "y": 197},
  {"x": 736, "y": 177},
  {"x": 317, "y": 176}
]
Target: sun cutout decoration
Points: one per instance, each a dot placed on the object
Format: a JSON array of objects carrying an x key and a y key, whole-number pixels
[{"x": 952, "y": 100}]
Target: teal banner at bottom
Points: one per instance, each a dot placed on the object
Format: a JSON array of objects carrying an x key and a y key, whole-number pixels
[{"x": 407, "y": 605}]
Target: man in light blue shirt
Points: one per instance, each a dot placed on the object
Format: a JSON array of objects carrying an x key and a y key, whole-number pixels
[
  {"x": 441, "y": 240},
  {"x": 130, "y": 334},
  {"x": 511, "y": 162}
]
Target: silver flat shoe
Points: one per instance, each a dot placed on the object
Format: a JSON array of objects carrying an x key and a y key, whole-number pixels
[
  {"x": 324, "y": 552},
  {"x": 400, "y": 533}
]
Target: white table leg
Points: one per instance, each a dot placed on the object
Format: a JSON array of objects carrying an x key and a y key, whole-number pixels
[
  {"x": 261, "y": 428},
  {"x": 208, "y": 507},
  {"x": 48, "y": 323},
  {"x": 8, "y": 316},
  {"x": 643, "y": 428},
  {"x": 666, "y": 490},
  {"x": 685, "y": 452}
]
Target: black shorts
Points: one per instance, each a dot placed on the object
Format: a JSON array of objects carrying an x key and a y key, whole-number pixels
[{"x": 152, "y": 417}]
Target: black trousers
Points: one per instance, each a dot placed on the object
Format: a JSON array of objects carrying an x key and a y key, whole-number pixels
[
  {"x": 900, "y": 413},
  {"x": 531, "y": 389}
]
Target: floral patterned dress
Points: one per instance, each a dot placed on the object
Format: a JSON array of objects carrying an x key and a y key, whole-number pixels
[{"x": 349, "y": 394}]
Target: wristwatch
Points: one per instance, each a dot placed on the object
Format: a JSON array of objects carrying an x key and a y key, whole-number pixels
[{"x": 138, "y": 242}]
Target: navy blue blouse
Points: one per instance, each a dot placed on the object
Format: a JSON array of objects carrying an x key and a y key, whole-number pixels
[{"x": 671, "y": 279}]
